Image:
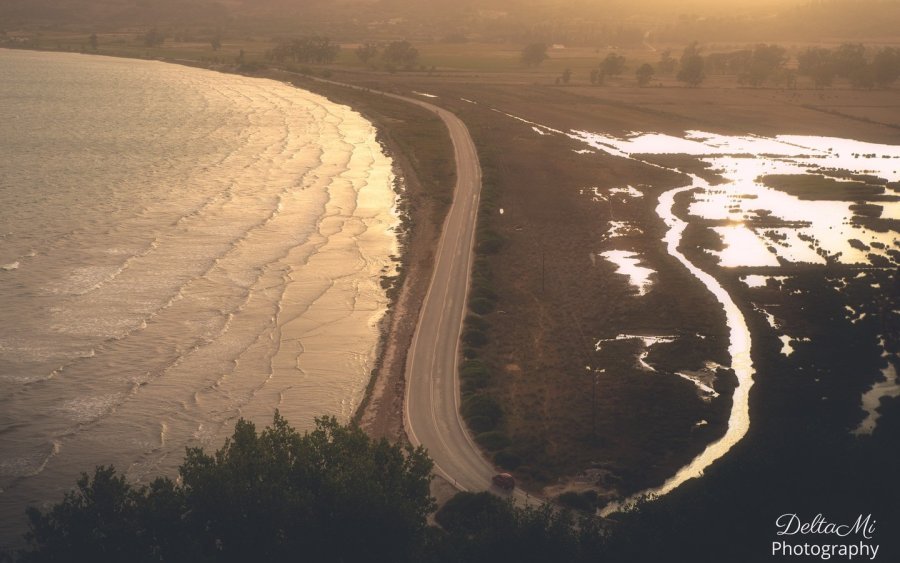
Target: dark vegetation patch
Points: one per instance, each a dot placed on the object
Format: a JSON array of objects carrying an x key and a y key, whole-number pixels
[{"x": 818, "y": 187}]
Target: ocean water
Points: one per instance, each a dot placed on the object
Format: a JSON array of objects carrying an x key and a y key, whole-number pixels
[{"x": 178, "y": 248}]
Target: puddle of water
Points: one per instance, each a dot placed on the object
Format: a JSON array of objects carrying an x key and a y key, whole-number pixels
[
  {"x": 627, "y": 190},
  {"x": 622, "y": 228},
  {"x": 787, "y": 343},
  {"x": 854, "y": 316},
  {"x": 756, "y": 280},
  {"x": 544, "y": 128},
  {"x": 770, "y": 318},
  {"x": 629, "y": 264},
  {"x": 888, "y": 387},
  {"x": 647, "y": 342},
  {"x": 596, "y": 195},
  {"x": 786, "y": 348},
  {"x": 706, "y": 391}
]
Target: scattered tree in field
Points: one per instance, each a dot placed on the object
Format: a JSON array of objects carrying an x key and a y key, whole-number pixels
[
  {"x": 401, "y": 54},
  {"x": 566, "y": 76},
  {"x": 366, "y": 52},
  {"x": 612, "y": 65},
  {"x": 644, "y": 74},
  {"x": 886, "y": 67},
  {"x": 816, "y": 63},
  {"x": 315, "y": 49},
  {"x": 534, "y": 54},
  {"x": 691, "y": 69},
  {"x": 851, "y": 62},
  {"x": 667, "y": 62},
  {"x": 765, "y": 62},
  {"x": 848, "y": 59},
  {"x": 93, "y": 41},
  {"x": 733, "y": 63}
]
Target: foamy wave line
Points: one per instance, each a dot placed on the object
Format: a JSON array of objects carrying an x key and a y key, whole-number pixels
[{"x": 21, "y": 467}]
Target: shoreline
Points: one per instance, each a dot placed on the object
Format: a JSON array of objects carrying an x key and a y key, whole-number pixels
[{"x": 380, "y": 411}]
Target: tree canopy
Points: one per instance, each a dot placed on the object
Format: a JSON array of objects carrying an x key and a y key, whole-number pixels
[
  {"x": 612, "y": 65},
  {"x": 314, "y": 49},
  {"x": 534, "y": 54},
  {"x": 330, "y": 494},
  {"x": 691, "y": 69},
  {"x": 401, "y": 54},
  {"x": 644, "y": 74}
]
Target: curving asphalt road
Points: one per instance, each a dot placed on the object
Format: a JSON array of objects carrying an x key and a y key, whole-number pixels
[
  {"x": 431, "y": 409},
  {"x": 431, "y": 414}
]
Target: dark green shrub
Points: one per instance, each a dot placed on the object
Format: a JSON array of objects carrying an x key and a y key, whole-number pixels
[
  {"x": 474, "y": 376},
  {"x": 477, "y": 323},
  {"x": 482, "y": 405},
  {"x": 474, "y": 338},
  {"x": 480, "y": 423},
  {"x": 493, "y": 440},
  {"x": 481, "y": 305},
  {"x": 507, "y": 459},
  {"x": 489, "y": 242},
  {"x": 586, "y": 501}
]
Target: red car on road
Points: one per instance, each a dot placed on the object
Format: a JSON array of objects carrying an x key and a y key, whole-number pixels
[{"x": 505, "y": 481}]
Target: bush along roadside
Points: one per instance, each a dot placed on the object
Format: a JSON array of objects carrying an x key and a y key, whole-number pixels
[{"x": 480, "y": 408}]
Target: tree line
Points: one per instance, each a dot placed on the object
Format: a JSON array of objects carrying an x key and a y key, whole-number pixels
[
  {"x": 332, "y": 494},
  {"x": 764, "y": 64},
  {"x": 394, "y": 55},
  {"x": 312, "y": 49}
]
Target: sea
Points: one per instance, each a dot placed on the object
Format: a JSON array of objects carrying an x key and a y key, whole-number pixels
[{"x": 179, "y": 248}]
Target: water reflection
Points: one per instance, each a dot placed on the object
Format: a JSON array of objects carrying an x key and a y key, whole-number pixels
[
  {"x": 772, "y": 202},
  {"x": 887, "y": 387},
  {"x": 794, "y": 199},
  {"x": 629, "y": 264}
]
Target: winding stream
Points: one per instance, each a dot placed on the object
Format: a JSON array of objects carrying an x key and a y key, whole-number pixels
[
  {"x": 739, "y": 334},
  {"x": 739, "y": 347}
]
